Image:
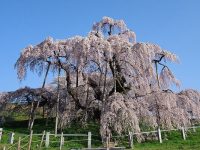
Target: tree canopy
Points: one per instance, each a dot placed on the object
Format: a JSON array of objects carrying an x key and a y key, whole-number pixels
[{"x": 110, "y": 77}]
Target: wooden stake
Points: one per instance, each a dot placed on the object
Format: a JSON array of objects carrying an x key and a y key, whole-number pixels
[
  {"x": 183, "y": 133},
  {"x": 42, "y": 140},
  {"x": 19, "y": 144},
  {"x": 30, "y": 140}
]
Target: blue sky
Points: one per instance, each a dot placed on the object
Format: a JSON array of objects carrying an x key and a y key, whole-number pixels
[{"x": 172, "y": 24}]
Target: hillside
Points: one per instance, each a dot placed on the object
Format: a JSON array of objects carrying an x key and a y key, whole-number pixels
[{"x": 171, "y": 141}]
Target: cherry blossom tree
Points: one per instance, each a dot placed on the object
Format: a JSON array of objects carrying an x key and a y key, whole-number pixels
[{"x": 110, "y": 77}]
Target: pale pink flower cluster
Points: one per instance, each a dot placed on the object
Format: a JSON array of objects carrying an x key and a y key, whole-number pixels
[{"x": 113, "y": 75}]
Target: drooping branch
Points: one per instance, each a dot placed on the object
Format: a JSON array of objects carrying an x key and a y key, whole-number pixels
[{"x": 106, "y": 73}]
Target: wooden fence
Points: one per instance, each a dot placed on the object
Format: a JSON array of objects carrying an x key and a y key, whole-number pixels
[
  {"x": 158, "y": 132},
  {"x": 45, "y": 138}
]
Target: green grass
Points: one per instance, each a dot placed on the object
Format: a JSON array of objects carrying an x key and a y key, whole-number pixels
[
  {"x": 19, "y": 127},
  {"x": 172, "y": 140}
]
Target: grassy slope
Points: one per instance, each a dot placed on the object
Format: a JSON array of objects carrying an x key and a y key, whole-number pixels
[
  {"x": 174, "y": 142},
  {"x": 20, "y": 129},
  {"x": 174, "y": 139}
]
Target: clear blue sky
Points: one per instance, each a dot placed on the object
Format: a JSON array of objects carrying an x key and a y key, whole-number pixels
[{"x": 173, "y": 24}]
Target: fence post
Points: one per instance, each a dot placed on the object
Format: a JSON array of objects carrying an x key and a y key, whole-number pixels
[
  {"x": 47, "y": 139},
  {"x": 30, "y": 140},
  {"x": 89, "y": 139},
  {"x": 19, "y": 143},
  {"x": 1, "y": 132},
  {"x": 11, "y": 138},
  {"x": 61, "y": 140},
  {"x": 108, "y": 142},
  {"x": 159, "y": 135},
  {"x": 43, "y": 134},
  {"x": 183, "y": 133},
  {"x": 131, "y": 140}
]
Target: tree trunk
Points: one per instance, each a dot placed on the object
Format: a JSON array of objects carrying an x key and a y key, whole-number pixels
[
  {"x": 32, "y": 116},
  {"x": 57, "y": 103},
  {"x": 157, "y": 77},
  {"x": 77, "y": 72},
  {"x": 45, "y": 78},
  {"x": 104, "y": 84},
  {"x": 115, "y": 77}
]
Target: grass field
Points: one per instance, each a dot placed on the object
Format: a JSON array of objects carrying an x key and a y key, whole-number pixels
[{"x": 172, "y": 140}]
